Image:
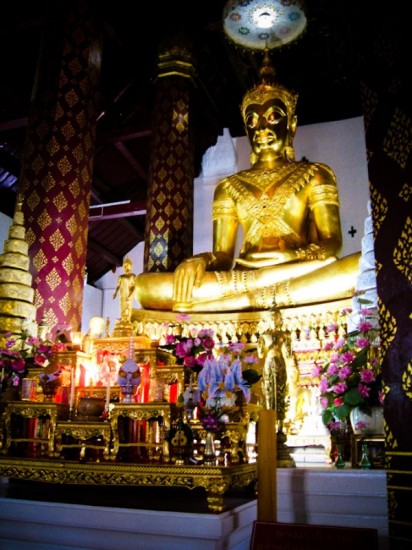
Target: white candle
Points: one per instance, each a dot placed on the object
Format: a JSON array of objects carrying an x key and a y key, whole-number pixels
[{"x": 107, "y": 391}]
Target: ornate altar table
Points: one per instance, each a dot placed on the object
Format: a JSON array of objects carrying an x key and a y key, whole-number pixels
[{"x": 216, "y": 480}]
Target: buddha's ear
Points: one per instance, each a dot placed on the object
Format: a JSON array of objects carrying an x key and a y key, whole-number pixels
[{"x": 293, "y": 125}]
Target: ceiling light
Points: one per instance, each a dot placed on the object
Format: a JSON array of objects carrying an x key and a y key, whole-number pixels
[{"x": 260, "y": 24}]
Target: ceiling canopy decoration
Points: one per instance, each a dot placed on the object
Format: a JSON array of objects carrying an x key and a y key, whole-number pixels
[{"x": 261, "y": 24}]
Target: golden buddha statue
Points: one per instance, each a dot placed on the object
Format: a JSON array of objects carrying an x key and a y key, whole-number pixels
[
  {"x": 126, "y": 286},
  {"x": 289, "y": 213}
]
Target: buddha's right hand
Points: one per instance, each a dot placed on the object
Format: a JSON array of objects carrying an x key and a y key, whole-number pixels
[{"x": 187, "y": 276}]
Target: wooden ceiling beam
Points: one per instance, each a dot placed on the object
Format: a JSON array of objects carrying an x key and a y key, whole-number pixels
[
  {"x": 111, "y": 258},
  {"x": 131, "y": 159}
]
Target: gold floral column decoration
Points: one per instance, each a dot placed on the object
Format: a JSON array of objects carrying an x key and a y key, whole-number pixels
[
  {"x": 57, "y": 164},
  {"x": 169, "y": 221}
]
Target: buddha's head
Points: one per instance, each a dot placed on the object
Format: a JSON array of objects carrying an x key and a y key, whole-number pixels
[{"x": 268, "y": 111}]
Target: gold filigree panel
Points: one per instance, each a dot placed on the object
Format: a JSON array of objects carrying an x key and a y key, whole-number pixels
[
  {"x": 379, "y": 210},
  {"x": 397, "y": 143},
  {"x": 53, "y": 279},
  {"x": 40, "y": 260},
  {"x": 402, "y": 252},
  {"x": 407, "y": 381},
  {"x": 57, "y": 240},
  {"x": 387, "y": 328}
]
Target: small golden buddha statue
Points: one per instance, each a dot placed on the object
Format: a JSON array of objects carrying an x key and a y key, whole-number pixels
[
  {"x": 289, "y": 213},
  {"x": 126, "y": 287}
]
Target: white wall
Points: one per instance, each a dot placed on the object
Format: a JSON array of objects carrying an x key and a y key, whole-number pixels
[{"x": 339, "y": 144}]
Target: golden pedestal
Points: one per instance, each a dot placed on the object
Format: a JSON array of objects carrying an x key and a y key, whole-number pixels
[
  {"x": 18, "y": 430},
  {"x": 83, "y": 436}
]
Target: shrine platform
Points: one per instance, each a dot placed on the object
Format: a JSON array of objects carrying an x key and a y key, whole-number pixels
[{"x": 142, "y": 518}]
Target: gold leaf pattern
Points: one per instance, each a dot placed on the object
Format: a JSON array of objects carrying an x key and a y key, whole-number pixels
[
  {"x": 71, "y": 225},
  {"x": 81, "y": 120},
  {"x": 159, "y": 249},
  {"x": 177, "y": 224},
  {"x": 67, "y": 130},
  {"x": 68, "y": 264},
  {"x": 78, "y": 154},
  {"x": 77, "y": 285},
  {"x": 379, "y": 210},
  {"x": 57, "y": 240},
  {"x": 37, "y": 164},
  {"x": 38, "y": 300},
  {"x": 65, "y": 303},
  {"x": 33, "y": 200},
  {"x": 49, "y": 182},
  {"x": 398, "y": 143},
  {"x": 40, "y": 260},
  {"x": 60, "y": 202},
  {"x": 79, "y": 247},
  {"x": 402, "y": 252},
  {"x": 53, "y": 146},
  {"x": 159, "y": 224},
  {"x": 53, "y": 279},
  {"x": 387, "y": 327},
  {"x": 407, "y": 381},
  {"x": 64, "y": 166},
  {"x": 370, "y": 102},
  {"x": 406, "y": 192},
  {"x": 71, "y": 97},
  {"x": 82, "y": 211},
  {"x": 30, "y": 236},
  {"x": 44, "y": 220}
]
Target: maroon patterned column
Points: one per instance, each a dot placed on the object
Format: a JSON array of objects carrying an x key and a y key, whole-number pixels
[
  {"x": 386, "y": 93},
  {"x": 169, "y": 221},
  {"x": 58, "y": 160}
]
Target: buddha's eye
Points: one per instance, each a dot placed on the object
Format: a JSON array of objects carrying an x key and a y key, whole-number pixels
[
  {"x": 275, "y": 116},
  {"x": 252, "y": 121}
]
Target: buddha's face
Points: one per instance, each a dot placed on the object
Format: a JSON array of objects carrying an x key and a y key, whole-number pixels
[{"x": 268, "y": 127}]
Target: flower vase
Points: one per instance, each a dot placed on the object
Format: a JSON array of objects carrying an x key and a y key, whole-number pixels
[
  {"x": 365, "y": 463},
  {"x": 340, "y": 461},
  {"x": 364, "y": 424},
  {"x": 209, "y": 458}
]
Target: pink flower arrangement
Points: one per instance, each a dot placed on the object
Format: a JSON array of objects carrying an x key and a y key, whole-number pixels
[
  {"x": 191, "y": 351},
  {"x": 351, "y": 375},
  {"x": 19, "y": 352}
]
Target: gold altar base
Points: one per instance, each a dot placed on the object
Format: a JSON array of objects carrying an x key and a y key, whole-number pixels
[
  {"x": 216, "y": 480},
  {"x": 247, "y": 326}
]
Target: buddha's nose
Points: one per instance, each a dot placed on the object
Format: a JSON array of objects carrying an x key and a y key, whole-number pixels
[{"x": 262, "y": 123}]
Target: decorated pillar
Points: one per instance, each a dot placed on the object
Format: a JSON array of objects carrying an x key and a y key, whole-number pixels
[
  {"x": 169, "y": 220},
  {"x": 386, "y": 93},
  {"x": 57, "y": 164}
]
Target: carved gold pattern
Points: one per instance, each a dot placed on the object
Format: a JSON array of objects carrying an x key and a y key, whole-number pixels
[
  {"x": 216, "y": 480},
  {"x": 57, "y": 240},
  {"x": 65, "y": 303},
  {"x": 84, "y": 432},
  {"x": 68, "y": 264},
  {"x": 407, "y": 381},
  {"x": 402, "y": 251},
  {"x": 54, "y": 411},
  {"x": 387, "y": 328},
  {"x": 53, "y": 279},
  {"x": 406, "y": 192},
  {"x": 60, "y": 202},
  {"x": 397, "y": 142},
  {"x": 379, "y": 210}
]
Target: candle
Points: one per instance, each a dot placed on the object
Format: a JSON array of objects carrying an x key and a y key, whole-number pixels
[
  {"x": 72, "y": 387},
  {"x": 107, "y": 391}
]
